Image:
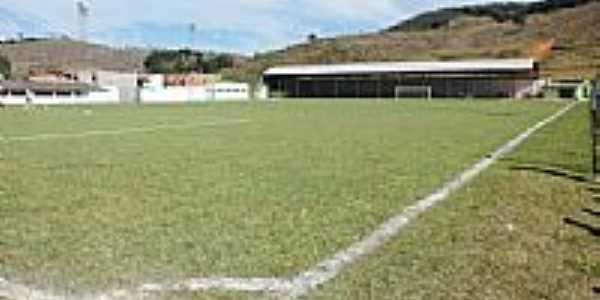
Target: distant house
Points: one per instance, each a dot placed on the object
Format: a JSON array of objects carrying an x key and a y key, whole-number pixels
[{"x": 501, "y": 78}]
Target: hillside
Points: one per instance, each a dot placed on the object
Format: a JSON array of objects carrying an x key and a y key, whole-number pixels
[
  {"x": 565, "y": 40},
  {"x": 66, "y": 54},
  {"x": 516, "y": 12}
]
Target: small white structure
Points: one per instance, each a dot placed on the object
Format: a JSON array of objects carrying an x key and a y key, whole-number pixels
[{"x": 261, "y": 92}]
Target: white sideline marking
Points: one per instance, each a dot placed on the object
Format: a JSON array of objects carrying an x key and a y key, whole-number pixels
[
  {"x": 20, "y": 292},
  {"x": 51, "y": 136},
  {"x": 330, "y": 268},
  {"x": 301, "y": 285},
  {"x": 228, "y": 284}
]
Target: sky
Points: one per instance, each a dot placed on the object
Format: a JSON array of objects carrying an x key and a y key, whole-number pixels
[{"x": 244, "y": 26}]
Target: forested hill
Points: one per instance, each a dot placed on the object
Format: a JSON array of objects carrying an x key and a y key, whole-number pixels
[{"x": 516, "y": 12}]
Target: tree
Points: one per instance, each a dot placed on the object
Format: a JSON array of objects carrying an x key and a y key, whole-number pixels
[
  {"x": 174, "y": 61},
  {"x": 5, "y": 67},
  {"x": 216, "y": 62},
  {"x": 187, "y": 61}
]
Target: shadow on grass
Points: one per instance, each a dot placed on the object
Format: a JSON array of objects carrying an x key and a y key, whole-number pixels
[
  {"x": 555, "y": 172},
  {"x": 595, "y": 231},
  {"x": 591, "y": 212}
]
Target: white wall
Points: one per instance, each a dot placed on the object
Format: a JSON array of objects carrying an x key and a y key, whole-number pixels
[
  {"x": 109, "y": 95},
  {"x": 216, "y": 92},
  {"x": 227, "y": 91},
  {"x": 173, "y": 94},
  {"x": 12, "y": 100},
  {"x": 105, "y": 78}
]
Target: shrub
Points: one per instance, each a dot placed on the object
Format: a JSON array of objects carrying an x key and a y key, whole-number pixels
[{"x": 5, "y": 67}]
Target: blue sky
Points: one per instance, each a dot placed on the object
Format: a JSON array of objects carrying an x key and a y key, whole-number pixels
[{"x": 225, "y": 25}]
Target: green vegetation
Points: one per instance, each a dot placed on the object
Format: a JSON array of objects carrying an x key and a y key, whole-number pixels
[
  {"x": 5, "y": 67},
  {"x": 266, "y": 198},
  {"x": 516, "y": 12},
  {"x": 502, "y": 237},
  {"x": 206, "y": 296},
  {"x": 186, "y": 61},
  {"x": 168, "y": 61}
]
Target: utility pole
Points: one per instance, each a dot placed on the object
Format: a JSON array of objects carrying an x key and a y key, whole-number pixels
[
  {"x": 82, "y": 8},
  {"x": 83, "y": 15},
  {"x": 192, "y": 29}
]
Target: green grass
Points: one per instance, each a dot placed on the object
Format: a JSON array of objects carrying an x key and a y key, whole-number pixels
[
  {"x": 267, "y": 198},
  {"x": 502, "y": 237},
  {"x": 206, "y": 296}
]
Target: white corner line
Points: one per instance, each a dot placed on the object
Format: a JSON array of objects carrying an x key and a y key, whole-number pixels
[
  {"x": 330, "y": 268},
  {"x": 53, "y": 136},
  {"x": 224, "y": 284},
  {"x": 14, "y": 291},
  {"x": 325, "y": 271}
]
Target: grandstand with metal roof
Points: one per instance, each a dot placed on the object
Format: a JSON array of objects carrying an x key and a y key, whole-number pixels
[{"x": 499, "y": 78}]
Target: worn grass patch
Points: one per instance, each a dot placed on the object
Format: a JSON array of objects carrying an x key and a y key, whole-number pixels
[
  {"x": 206, "y": 296},
  {"x": 267, "y": 198},
  {"x": 502, "y": 237}
]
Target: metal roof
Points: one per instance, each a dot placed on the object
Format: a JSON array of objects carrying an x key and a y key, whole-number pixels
[{"x": 405, "y": 67}]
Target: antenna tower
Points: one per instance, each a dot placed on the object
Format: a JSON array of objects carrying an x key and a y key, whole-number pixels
[
  {"x": 83, "y": 15},
  {"x": 192, "y": 28}
]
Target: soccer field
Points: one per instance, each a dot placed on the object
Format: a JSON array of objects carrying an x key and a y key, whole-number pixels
[{"x": 107, "y": 197}]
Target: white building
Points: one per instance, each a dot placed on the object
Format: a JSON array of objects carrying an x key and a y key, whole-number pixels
[
  {"x": 116, "y": 90},
  {"x": 54, "y": 93}
]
